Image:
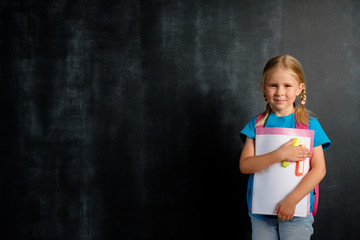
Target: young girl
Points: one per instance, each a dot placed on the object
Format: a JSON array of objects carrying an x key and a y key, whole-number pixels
[{"x": 283, "y": 81}]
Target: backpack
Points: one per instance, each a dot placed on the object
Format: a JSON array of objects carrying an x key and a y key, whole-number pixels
[{"x": 316, "y": 190}]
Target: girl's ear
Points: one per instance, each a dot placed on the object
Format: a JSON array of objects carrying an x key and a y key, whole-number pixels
[
  {"x": 263, "y": 86},
  {"x": 263, "y": 89},
  {"x": 299, "y": 90}
]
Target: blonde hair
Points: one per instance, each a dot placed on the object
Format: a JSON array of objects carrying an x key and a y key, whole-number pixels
[{"x": 294, "y": 67}]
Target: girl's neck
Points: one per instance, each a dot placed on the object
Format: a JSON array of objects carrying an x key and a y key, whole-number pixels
[{"x": 284, "y": 113}]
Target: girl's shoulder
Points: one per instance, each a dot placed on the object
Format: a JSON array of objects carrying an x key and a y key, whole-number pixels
[
  {"x": 320, "y": 137},
  {"x": 249, "y": 129},
  {"x": 314, "y": 123}
]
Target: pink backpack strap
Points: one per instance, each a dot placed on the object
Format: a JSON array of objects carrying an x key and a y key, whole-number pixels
[
  {"x": 301, "y": 126},
  {"x": 258, "y": 119},
  {"x": 316, "y": 200}
]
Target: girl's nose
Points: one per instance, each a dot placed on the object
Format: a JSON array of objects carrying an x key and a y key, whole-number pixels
[{"x": 280, "y": 91}]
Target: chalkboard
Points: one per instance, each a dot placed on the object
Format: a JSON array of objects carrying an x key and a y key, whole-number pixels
[{"x": 120, "y": 119}]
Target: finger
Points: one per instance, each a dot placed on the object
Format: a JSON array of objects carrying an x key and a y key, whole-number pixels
[
  {"x": 286, "y": 218},
  {"x": 306, "y": 151},
  {"x": 301, "y": 158},
  {"x": 290, "y": 142},
  {"x": 303, "y": 155},
  {"x": 282, "y": 217},
  {"x": 277, "y": 209}
]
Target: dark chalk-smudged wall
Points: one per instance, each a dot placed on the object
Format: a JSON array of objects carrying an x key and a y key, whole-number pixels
[{"x": 120, "y": 119}]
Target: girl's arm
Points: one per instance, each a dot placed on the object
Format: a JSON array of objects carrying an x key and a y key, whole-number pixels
[
  {"x": 286, "y": 208},
  {"x": 249, "y": 163}
]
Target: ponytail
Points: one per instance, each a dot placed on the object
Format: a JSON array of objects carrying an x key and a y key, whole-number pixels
[
  {"x": 267, "y": 112},
  {"x": 301, "y": 113}
]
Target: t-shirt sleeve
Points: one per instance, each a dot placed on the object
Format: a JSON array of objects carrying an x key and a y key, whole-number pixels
[
  {"x": 248, "y": 130},
  {"x": 320, "y": 137}
]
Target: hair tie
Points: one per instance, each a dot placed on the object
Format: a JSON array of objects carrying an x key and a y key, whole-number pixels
[{"x": 303, "y": 102}]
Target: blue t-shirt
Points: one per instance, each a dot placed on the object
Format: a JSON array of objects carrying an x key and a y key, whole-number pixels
[{"x": 320, "y": 138}]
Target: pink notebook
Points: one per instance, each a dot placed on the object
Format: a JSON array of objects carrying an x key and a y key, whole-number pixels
[{"x": 274, "y": 183}]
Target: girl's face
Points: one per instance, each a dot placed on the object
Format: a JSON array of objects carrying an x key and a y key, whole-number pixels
[{"x": 281, "y": 90}]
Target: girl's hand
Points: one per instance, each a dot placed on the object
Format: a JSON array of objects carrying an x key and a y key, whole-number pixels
[
  {"x": 285, "y": 209},
  {"x": 292, "y": 153}
]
